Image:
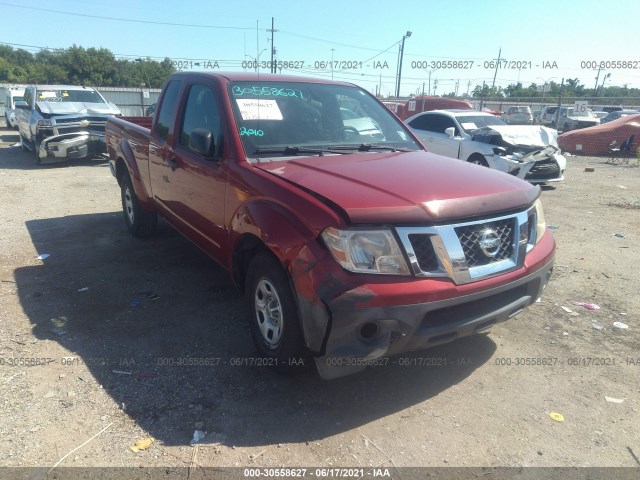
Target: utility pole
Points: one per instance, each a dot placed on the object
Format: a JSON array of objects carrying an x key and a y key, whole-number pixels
[
  {"x": 404, "y": 37},
  {"x": 422, "y": 109},
  {"x": 557, "y": 114},
  {"x": 496, "y": 72},
  {"x": 482, "y": 97},
  {"x": 273, "y": 50},
  {"x": 457, "y": 86},
  {"x": 468, "y": 87},
  {"x": 604, "y": 80},
  {"x": 595, "y": 89},
  {"x": 332, "y": 50}
]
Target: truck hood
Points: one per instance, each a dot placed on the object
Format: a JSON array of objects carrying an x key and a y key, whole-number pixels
[
  {"x": 404, "y": 188},
  {"x": 71, "y": 108}
]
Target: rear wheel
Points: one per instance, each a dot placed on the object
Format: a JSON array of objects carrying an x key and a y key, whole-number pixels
[
  {"x": 478, "y": 160},
  {"x": 140, "y": 223},
  {"x": 273, "y": 315}
]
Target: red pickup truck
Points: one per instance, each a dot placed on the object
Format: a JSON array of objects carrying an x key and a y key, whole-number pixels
[{"x": 349, "y": 240}]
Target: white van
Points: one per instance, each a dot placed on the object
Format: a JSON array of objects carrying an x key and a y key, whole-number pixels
[{"x": 13, "y": 95}]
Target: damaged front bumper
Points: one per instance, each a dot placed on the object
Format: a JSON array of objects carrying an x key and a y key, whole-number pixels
[
  {"x": 545, "y": 165},
  {"x": 361, "y": 335},
  {"x": 70, "y": 146}
]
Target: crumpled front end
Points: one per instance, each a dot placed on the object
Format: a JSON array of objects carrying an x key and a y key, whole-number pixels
[
  {"x": 529, "y": 153},
  {"x": 71, "y": 137},
  {"x": 540, "y": 166},
  {"x": 466, "y": 277}
]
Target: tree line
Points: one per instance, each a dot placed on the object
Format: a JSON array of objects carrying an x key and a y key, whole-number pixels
[
  {"x": 79, "y": 66},
  {"x": 571, "y": 88}
]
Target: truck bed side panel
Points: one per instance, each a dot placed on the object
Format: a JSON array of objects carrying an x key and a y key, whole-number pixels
[{"x": 130, "y": 142}]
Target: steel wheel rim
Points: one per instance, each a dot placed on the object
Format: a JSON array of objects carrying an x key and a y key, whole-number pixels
[
  {"x": 128, "y": 205},
  {"x": 269, "y": 313}
]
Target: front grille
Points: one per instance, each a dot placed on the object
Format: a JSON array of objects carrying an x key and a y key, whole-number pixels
[
  {"x": 93, "y": 128},
  {"x": 60, "y": 120},
  {"x": 470, "y": 251},
  {"x": 425, "y": 254},
  {"x": 544, "y": 170},
  {"x": 471, "y": 235}
]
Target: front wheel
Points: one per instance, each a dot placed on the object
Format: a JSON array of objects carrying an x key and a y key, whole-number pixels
[
  {"x": 140, "y": 223},
  {"x": 478, "y": 160},
  {"x": 273, "y": 315},
  {"x": 23, "y": 144}
]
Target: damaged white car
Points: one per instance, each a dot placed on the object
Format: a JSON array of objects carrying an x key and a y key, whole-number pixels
[
  {"x": 63, "y": 122},
  {"x": 529, "y": 152}
]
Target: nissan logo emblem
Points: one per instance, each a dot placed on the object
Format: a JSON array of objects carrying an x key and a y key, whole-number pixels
[{"x": 490, "y": 242}]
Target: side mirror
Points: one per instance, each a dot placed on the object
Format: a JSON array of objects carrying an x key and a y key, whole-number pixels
[
  {"x": 201, "y": 141},
  {"x": 451, "y": 131},
  {"x": 22, "y": 105}
]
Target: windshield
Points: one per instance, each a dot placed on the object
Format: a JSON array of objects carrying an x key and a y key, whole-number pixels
[
  {"x": 85, "y": 96},
  {"x": 271, "y": 116},
  {"x": 473, "y": 122}
]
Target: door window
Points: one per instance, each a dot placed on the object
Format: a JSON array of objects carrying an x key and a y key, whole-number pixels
[
  {"x": 202, "y": 112},
  {"x": 168, "y": 109}
]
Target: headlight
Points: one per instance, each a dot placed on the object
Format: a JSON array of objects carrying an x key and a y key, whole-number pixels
[
  {"x": 45, "y": 123},
  {"x": 540, "y": 224},
  {"x": 366, "y": 251}
]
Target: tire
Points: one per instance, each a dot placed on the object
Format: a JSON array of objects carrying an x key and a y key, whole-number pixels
[
  {"x": 478, "y": 160},
  {"x": 36, "y": 149},
  {"x": 273, "y": 315},
  {"x": 140, "y": 223},
  {"x": 22, "y": 144}
]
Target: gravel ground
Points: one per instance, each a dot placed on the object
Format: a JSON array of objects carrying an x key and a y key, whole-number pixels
[{"x": 111, "y": 340}]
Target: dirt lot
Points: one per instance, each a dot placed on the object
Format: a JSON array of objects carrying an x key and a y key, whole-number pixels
[{"x": 103, "y": 303}]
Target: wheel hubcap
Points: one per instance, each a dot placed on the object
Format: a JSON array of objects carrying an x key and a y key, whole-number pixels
[
  {"x": 268, "y": 312},
  {"x": 128, "y": 205}
]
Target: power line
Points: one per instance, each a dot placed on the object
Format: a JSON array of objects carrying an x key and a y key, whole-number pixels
[{"x": 102, "y": 17}]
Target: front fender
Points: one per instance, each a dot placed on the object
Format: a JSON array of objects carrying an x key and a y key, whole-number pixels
[{"x": 301, "y": 254}]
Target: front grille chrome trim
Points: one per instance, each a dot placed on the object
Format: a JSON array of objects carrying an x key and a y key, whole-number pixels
[{"x": 452, "y": 261}]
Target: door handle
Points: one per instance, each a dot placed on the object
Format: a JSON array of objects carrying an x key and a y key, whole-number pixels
[{"x": 173, "y": 164}]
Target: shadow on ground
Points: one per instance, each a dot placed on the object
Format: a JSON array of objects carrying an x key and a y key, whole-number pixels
[{"x": 153, "y": 304}]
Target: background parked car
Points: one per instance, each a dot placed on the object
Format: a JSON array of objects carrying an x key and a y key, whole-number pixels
[
  {"x": 566, "y": 119},
  {"x": 617, "y": 114},
  {"x": 527, "y": 152},
  {"x": 518, "y": 115},
  {"x": 546, "y": 115},
  {"x": 13, "y": 95},
  {"x": 150, "y": 110}
]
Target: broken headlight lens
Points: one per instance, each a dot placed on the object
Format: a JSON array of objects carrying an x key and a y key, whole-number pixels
[
  {"x": 366, "y": 251},
  {"x": 540, "y": 223}
]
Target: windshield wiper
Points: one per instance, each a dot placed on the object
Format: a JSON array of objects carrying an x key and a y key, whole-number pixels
[
  {"x": 292, "y": 151},
  {"x": 366, "y": 147}
]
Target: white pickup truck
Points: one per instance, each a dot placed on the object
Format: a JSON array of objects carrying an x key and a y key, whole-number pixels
[{"x": 63, "y": 122}]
